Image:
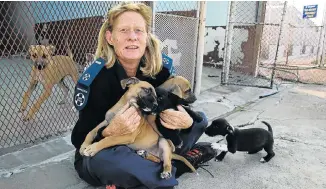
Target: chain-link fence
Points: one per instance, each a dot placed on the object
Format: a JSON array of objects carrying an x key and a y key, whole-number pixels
[
  {"x": 176, "y": 25},
  {"x": 244, "y": 33},
  {"x": 270, "y": 40},
  {"x": 36, "y": 99}
]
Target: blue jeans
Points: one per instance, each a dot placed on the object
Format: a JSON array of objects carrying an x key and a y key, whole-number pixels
[{"x": 121, "y": 166}]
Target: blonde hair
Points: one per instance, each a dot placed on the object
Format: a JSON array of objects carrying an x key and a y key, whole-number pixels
[{"x": 153, "y": 56}]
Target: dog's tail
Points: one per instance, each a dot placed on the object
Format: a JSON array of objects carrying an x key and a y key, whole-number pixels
[
  {"x": 69, "y": 50},
  {"x": 184, "y": 160},
  {"x": 269, "y": 127}
]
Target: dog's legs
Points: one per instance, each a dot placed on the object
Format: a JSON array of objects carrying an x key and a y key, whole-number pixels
[
  {"x": 36, "y": 106},
  {"x": 27, "y": 95},
  {"x": 166, "y": 150},
  {"x": 74, "y": 76},
  {"x": 254, "y": 151},
  {"x": 221, "y": 156},
  {"x": 65, "y": 89},
  {"x": 90, "y": 136},
  {"x": 110, "y": 141},
  {"x": 270, "y": 153}
]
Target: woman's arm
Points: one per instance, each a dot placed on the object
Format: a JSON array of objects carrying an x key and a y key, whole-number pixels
[{"x": 123, "y": 122}]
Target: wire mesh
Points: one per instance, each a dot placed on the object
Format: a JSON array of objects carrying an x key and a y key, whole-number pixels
[
  {"x": 246, "y": 29},
  {"x": 256, "y": 28},
  {"x": 71, "y": 28},
  {"x": 178, "y": 8},
  {"x": 36, "y": 98},
  {"x": 176, "y": 25}
]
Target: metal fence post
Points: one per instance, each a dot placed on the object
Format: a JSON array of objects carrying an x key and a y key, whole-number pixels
[
  {"x": 200, "y": 46},
  {"x": 229, "y": 39},
  {"x": 152, "y": 4},
  {"x": 278, "y": 44},
  {"x": 321, "y": 51}
]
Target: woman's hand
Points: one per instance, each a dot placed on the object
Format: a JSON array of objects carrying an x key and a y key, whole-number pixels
[
  {"x": 174, "y": 119},
  {"x": 124, "y": 122}
]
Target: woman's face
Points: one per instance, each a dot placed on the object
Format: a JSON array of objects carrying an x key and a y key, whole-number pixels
[{"x": 128, "y": 36}]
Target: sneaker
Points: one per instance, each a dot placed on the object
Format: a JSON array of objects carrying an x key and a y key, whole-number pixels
[{"x": 201, "y": 153}]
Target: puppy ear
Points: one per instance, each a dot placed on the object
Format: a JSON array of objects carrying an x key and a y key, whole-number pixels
[
  {"x": 129, "y": 81},
  {"x": 230, "y": 129},
  {"x": 175, "y": 89},
  {"x": 30, "y": 49},
  {"x": 50, "y": 49}
]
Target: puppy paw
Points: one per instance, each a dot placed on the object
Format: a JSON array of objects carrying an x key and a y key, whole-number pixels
[
  {"x": 262, "y": 160},
  {"x": 180, "y": 145},
  {"x": 221, "y": 147},
  {"x": 217, "y": 160},
  {"x": 166, "y": 175},
  {"x": 27, "y": 118},
  {"x": 91, "y": 150},
  {"x": 83, "y": 148}
]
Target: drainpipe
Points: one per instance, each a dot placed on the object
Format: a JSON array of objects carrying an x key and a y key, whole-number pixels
[
  {"x": 322, "y": 39},
  {"x": 228, "y": 42},
  {"x": 200, "y": 46}
]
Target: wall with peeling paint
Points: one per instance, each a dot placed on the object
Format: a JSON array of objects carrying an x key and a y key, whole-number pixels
[
  {"x": 242, "y": 52},
  {"x": 214, "y": 44}
]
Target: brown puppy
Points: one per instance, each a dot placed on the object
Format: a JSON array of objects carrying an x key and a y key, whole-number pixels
[
  {"x": 179, "y": 86},
  {"x": 144, "y": 137},
  {"x": 48, "y": 70}
]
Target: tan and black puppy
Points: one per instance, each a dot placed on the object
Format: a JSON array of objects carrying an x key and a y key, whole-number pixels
[
  {"x": 181, "y": 87},
  {"x": 175, "y": 91},
  {"x": 48, "y": 70},
  {"x": 142, "y": 95}
]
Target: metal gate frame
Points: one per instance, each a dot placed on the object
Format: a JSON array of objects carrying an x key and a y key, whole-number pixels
[{"x": 259, "y": 25}]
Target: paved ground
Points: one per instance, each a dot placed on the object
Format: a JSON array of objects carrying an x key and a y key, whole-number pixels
[{"x": 297, "y": 115}]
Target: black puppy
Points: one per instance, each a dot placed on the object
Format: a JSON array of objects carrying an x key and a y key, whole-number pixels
[
  {"x": 168, "y": 100},
  {"x": 250, "y": 140}
]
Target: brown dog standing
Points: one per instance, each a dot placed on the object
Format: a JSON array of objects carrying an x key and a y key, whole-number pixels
[
  {"x": 48, "y": 70},
  {"x": 144, "y": 137}
]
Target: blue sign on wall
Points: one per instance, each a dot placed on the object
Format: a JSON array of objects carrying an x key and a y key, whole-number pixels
[{"x": 310, "y": 11}]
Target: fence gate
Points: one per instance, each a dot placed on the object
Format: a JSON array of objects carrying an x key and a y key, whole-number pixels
[
  {"x": 268, "y": 40},
  {"x": 248, "y": 28}
]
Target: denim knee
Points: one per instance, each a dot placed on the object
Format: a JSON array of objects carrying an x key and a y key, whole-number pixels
[{"x": 203, "y": 124}]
